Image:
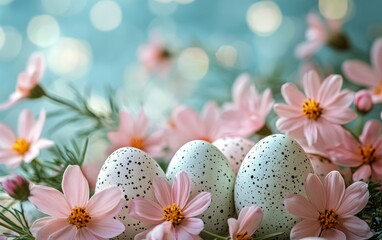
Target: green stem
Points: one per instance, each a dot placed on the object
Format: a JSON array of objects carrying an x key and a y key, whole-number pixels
[
  {"x": 63, "y": 102},
  {"x": 215, "y": 235}
]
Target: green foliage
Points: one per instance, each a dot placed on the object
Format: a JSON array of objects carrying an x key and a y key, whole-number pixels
[{"x": 19, "y": 227}]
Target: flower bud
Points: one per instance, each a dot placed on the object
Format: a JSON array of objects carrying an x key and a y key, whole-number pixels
[
  {"x": 17, "y": 187},
  {"x": 363, "y": 102}
]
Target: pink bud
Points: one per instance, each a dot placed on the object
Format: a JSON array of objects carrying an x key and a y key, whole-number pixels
[
  {"x": 17, "y": 187},
  {"x": 363, "y": 101}
]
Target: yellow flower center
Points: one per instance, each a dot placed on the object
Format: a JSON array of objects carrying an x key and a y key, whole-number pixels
[
  {"x": 328, "y": 219},
  {"x": 311, "y": 109},
  {"x": 173, "y": 214},
  {"x": 242, "y": 236},
  {"x": 368, "y": 153},
  {"x": 79, "y": 217},
  {"x": 378, "y": 90},
  {"x": 138, "y": 142},
  {"x": 21, "y": 146}
]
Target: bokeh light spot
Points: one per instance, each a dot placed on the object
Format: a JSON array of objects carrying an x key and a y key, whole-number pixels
[
  {"x": 264, "y": 18},
  {"x": 56, "y": 7},
  {"x": 70, "y": 57},
  {"x": 227, "y": 55},
  {"x": 12, "y": 44},
  {"x": 5, "y": 2},
  {"x": 2, "y": 37},
  {"x": 193, "y": 63},
  {"x": 334, "y": 9},
  {"x": 106, "y": 15},
  {"x": 43, "y": 30}
]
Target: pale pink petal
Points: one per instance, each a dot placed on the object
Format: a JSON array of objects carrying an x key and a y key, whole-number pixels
[
  {"x": 12, "y": 162},
  {"x": 330, "y": 87},
  {"x": 75, "y": 186},
  {"x": 181, "y": 233},
  {"x": 371, "y": 132},
  {"x": 311, "y": 132},
  {"x": 181, "y": 188},
  {"x": 105, "y": 227},
  {"x": 197, "y": 205},
  {"x": 339, "y": 117},
  {"x": 332, "y": 134},
  {"x": 141, "y": 124},
  {"x": 192, "y": 225},
  {"x": 343, "y": 100},
  {"x": 360, "y": 73},
  {"x": 363, "y": 173},
  {"x": 36, "y": 66},
  {"x": 26, "y": 123},
  {"x": 250, "y": 219},
  {"x": 376, "y": 55},
  {"x": 311, "y": 83},
  {"x": 50, "y": 227},
  {"x": 8, "y": 137},
  {"x": 40, "y": 223},
  {"x": 187, "y": 120},
  {"x": 290, "y": 124},
  {"x": 299, "y": 206},
  {"x": 240, "y": 87},
  {"x": 84, "y": 233},
  {"x": 315, "y": 192},
  {"x": 15, "y": 98},
  {"x": 49, "y": 201},
  {"x": 43, "y": 143},
  {"x": 162, "y": 191},
  {"x": 288, "y": 111},
  {"x": 162, "y": 231},
  {"x": 32, "y": 153},
  {"x": 146, "y": 211},
  {"x": 105, "y": 202},
  {"x": 307, "y": 49},
  {"x": 67, "y": 232},
  {"x": 125, "y": 123},
  {"x": 315, "y": 22},
  {"x": 210, "y": 117},
  {"x": 354, "y": 228},
  {"x": 355, "y": 199},
  {"x": 333, "y": 234},
  {"x": 305, "y": 228},
  {"x": 35, "y": 132},
  {"x": 233, "y": 226},
  {"x": 335, "y": 189},
  {"x": 292, "y": 95}
]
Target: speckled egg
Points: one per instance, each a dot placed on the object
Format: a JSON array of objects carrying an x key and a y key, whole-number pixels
[
  {"x": 132, "y": 170},
  {"x": 274, "y": 168},
  {"x": 322, "y": 167},
  {"x": 209, "y": 171},
  {"x": 234, "y": 149}
]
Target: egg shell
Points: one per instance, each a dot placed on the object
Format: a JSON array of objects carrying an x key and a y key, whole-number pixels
[
  {"x": 322, "y": 167},
  {"x": 274, "y": 168},
  {"x": 132, "y": 170},
  {"x": 234, "y": 149},
  {"x": 209, "y": 171}
]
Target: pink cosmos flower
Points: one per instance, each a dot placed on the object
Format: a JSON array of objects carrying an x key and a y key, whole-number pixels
[
  {"x": 173, "y": 205},
  {"x": 249, "y": 109},
  {"x": 186, "y": 125},
  {"x": 365, "y": 75},
  {"x": 317, "y": 114},
  {"x": 330, "y": 208},
  {"x": 72, "y": 214},
  {"x": 155, "y": 56},
  {"x": 365, "y": 152},
  {"x": 27, "y": 81},
  {"x": 27, "y": 144},
  {"x": 320, "y": 33},
  {"x": 133, "y": 132},
  {"x": 248, "y": 221}
]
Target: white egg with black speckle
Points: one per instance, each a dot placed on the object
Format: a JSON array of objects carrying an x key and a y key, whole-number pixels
[
  {"x": 234, "y": 149},
  {"x": 209, "y": 171},
  {"x": 132, "y": 170},
  {"x": 274, "y": 168}
]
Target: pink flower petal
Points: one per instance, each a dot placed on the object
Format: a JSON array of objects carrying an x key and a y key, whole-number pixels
[
  {"x": 354, "y": 228},
  {"x": 305, "y": 228},
  {"x": 315, "y": 192},
  {"x": 105, "y": 227},
  {"x": 106, "y": 202},
  {"x": 197, "y": 205},
  {"x": 288, "y": 111},
  {"x": 141, "y": 124},
  {"x": 292, "y": 95},
  {"x": 333, "y": 234},
  {"x": 26, "y": 123},
  {"x": 43, "y": 143},
  {"x": 331, "y": 133},
  {"x": 50, "y": 201},
  {"x": 299, "y": 206},
  {"x": 180, "y": 191},
  {"x": 8, "y": 137},
  {"x": 329, "y": 88},
  {"x": 355, "y": 199},
  {"x": 334, "y": 116},
  {"x": 75, "y": 186},
  {"x": 15, "y": 98},
  {"x": 32, "y": 153},
  {"x": 192, "y": 225},
  {"x": 376, "y": 55},
  {"x": 311, "y": 83},
  {"x": 359, "y": 73},
  {"x": 67, "y": 232},
  {"x": 50, "y": 227},
  {"x": 311, "y": 132},
  {"x": 35, "y": 132},
  {"x": 250, "y": 219},
  {"x": 363, "y": 173},
  {"x": 334, "y": 186},
  {"x": 40, "y": 223},
  {"x": 12, "y": 162},
  {"x": 162, "y": 231},
  {"x": 181, "y": 233},
  {"x": 239, "y": 88},
  {"x": 233, "y": 227},
  {"x": 371, "y": 132},
  {"x": 146, "y": 211},
  {"x": 162, "y": 191},
  {"x": 84, "y": 233},
  {"x": 307, "y": 49}
]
